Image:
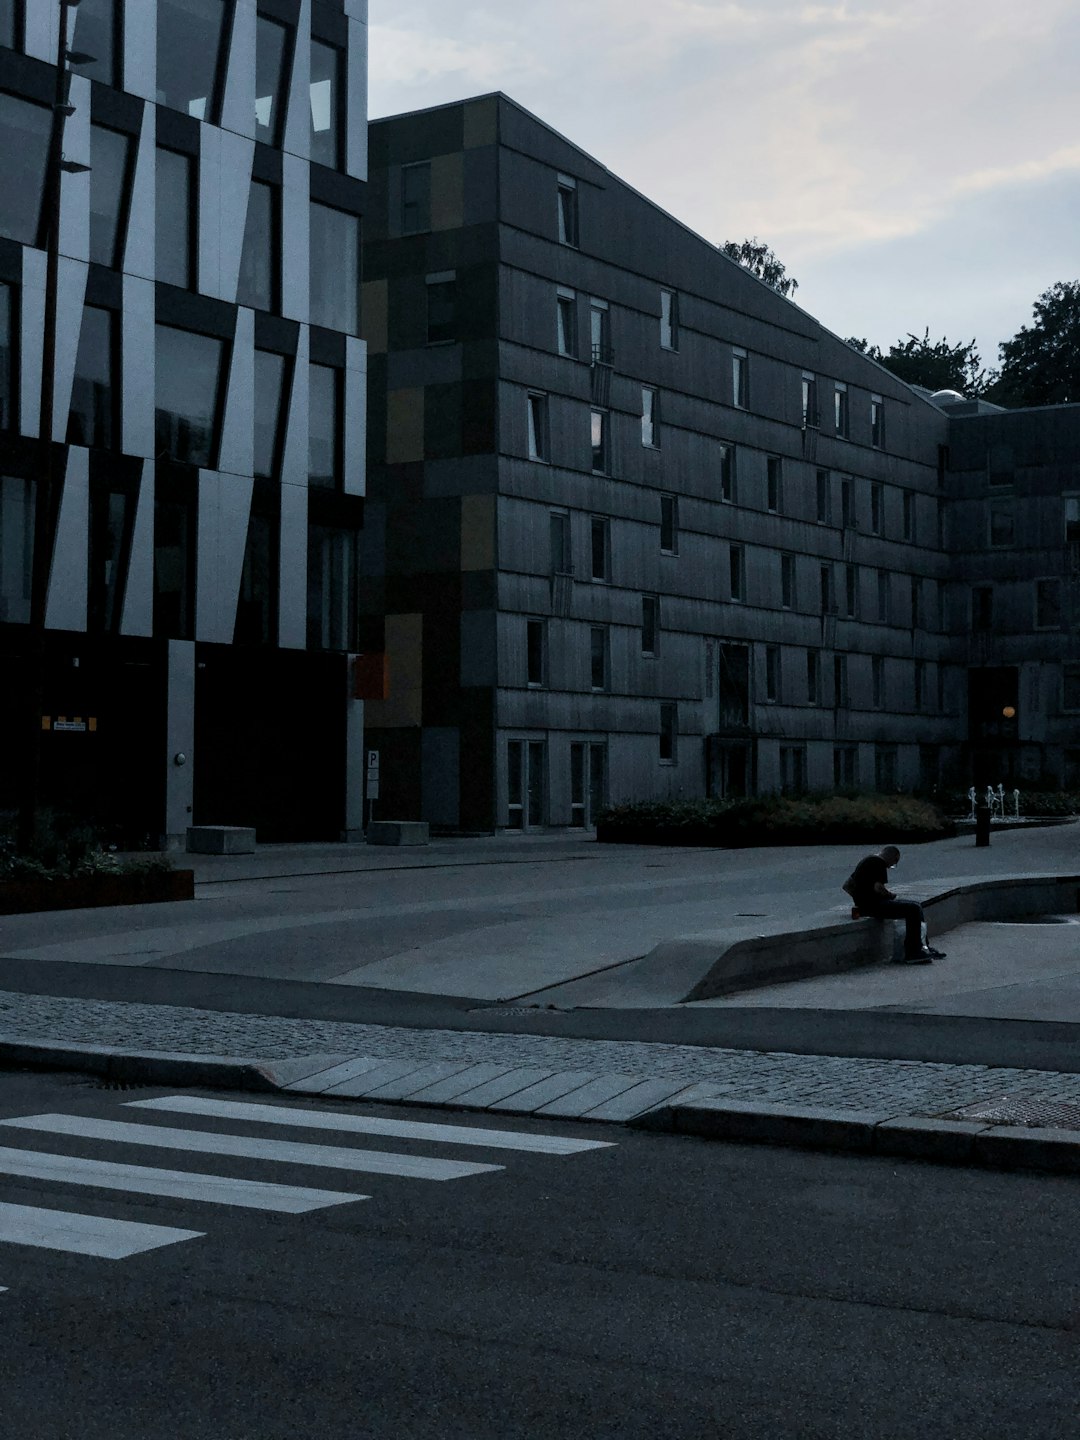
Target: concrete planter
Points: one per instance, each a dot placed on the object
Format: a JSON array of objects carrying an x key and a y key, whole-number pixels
[{"x": 20, "y": 897}]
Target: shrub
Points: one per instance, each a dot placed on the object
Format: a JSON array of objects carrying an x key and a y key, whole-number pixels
[{"x": 68, "y": 848}]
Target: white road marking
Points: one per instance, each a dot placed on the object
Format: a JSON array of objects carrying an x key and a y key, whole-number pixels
[
  {"x": 84, "y": 1234},
  {"x": 376, "y": 1162},
  {"x": 321, "y": 1119},
  {"x": 178, "y": 1184}
]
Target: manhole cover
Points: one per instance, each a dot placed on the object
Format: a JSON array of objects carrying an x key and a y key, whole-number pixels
[{"x": 1014, "y": 1110}]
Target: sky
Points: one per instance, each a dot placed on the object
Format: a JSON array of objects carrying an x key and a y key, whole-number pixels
[{"x": 913, "y": 163}]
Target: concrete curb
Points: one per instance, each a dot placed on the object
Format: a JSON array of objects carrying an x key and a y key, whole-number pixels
[{"x": 912, "y": 1137}]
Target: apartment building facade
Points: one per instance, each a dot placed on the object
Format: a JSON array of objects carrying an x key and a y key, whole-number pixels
[{"x": 209, "y": 414}]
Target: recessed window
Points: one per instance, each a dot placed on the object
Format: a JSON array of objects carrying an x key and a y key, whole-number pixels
[
  {"x": 95, "y": 34},
  {"x": 599, "y": 439},
  {"x": 824, "y": 498},
  {"x": 920, "y": 684},
  {"x": 561, "y": 562},
  {"x": 324, "y": 426},
  {"x": 737, "y": 572},
  {"x": 909, "y": 515},
  {"x": 189, "y": 43},
  {"x": 876, "y": 508},
  {"x": 7, "y": 357},
  {"x": 669, "y": 320},
  {"x": 537, "y": 410},
  {"x": 650, "y": 408},
  {"x": 112, "y": 522},
  {"x": 257, "y": 602},
  {"x": 1070, "y": 687},
  {"x": 9, "y": 24},
  {"x": 1001, "y": 525},
  {"x": 847, "y": 503},
  {"x": 92, "y": 417},
  {"x": 270, "y": 371},
  {"x": 669, "y": 732},
  {"x": 792, "y": 769},
  {"x": 851, "y": 590},
  {"x": 534, "y": 652},
  {"x": 916, "y": 605},
  {"x": 669, "y": 524},
  {"x": 1048, "y": 604},
  {"x": 982, "y": 607},
  {"x": 740, "y": 379},
  {"x": 416, "y": 198},
  {"x": 17, "y": 500},
  {"x": 598, "y": 661},
  {"x": 844, "y": 766},
  {"x": 441, "y": 308},
  {"x": 326, "y": 96},
  {"x": 260, "y": 258},
  {"x": 809, "y": 401},
  {"x": 566, "y": 322},
  {"x": 26, "y": 130},
  {"x": 813, "y": 677},
  {"x": 877, "y": 422},
  {"x": 774, "y": 484},
  {"x": 772, "y": 673},
  {"x": 787, "y": 581},
  {"x": 885, "y": 758},
  {"x": 110, "y": 157},
  {"x": 567, "y": 211},
  {"x": 600, "y": 331},
  {"x": 877, "y": 681},
  {"x": 332, "y": 577},
  {"x": 840, "y": 681},
  {"x": 174, "y": 560},
  {"x": 187, "y": 380},
  {"x": 335, "y": 269},
  {"x": 840, "y": 409},
  {"x": 825, "y": 588},
  {"x": 174, "y": 239},
  {"x": 600, "y": 533},
  {"x": 650, "y": 623},
  {"x": 883, "y": 588},
  {"x": 727, "y": 474},
  {"x": 271, "y": 52}
]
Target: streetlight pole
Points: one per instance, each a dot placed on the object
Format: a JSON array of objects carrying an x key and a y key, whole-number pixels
[{"x": 45, "y": 498}]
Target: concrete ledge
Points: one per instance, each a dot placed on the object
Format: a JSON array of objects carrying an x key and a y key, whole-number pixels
[
  {"x": 950, "y": 1142},
  {"x": 767, "y": 1124},
  {"x": 1015, "y": 1147},
  {"x": 152, "y": 1067},
  {"x": 398, "y": 832},
  {"x": 220, "y": 840}
]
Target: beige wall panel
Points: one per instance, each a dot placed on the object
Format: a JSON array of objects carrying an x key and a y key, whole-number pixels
[
  {"x": 448, "y": 191},
  {"x": 373, "y": 310},
  {"x": 478, "y": 532},
  {"x": 404, "y": 426},
  {"x": 404, "y": 659}
]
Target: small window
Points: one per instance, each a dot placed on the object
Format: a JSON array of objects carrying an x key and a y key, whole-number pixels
[
  {"x": 175, "y": 214},
  {"x": 885, "y": 757},
  {"x": 538, "y": 426},
  {"x": 270, "y": 375},
  {"x": 787, "y": 581},
  {"x": 824, "y": 498},
  {"x": 327, "y": 92},
  {"x": 9, "y": 24},
  {"x": 324, "y": 426},
  {"x": 92, "y": 417},
  {"x": 774, "y": 484},
  {"x": 844, "y": 766},
  {"x": 260, "y": 257},
  {"x": 568, "y": 211},
  {"x": 792, "y": 769},
  {"x": 110, "y": 154},
  {"x": 8, "y": 341},
  {"x": 334, "y": 269},
  {"x": 669, "y": 320},
  {"x": 95, "y": 34},
  {"x": 737, "y": 571},
  {"x": 883, "y": 588},
  {"x": 271, "y": 49},
  {"x": 669, "y": 524},
  {"x": 847, "y": 504},
  {"x": 840, "y": 409},
  {"x": 650, "y": 416},
  {"x": 916, "y": 602},
  {"x": 442, "y": 308},
  {"x": 809, "y": 401},
  {"x": 190, "y": 35},
  {"x": 669, "y": 732},
  {"x": 825, "y": 575},
  {"x": 740, "y": 379},
  {"x": 813, "y": 677},
  {"x": 560, "y": 543},
  {"x": 650, "y": 623},
  {"x": 982, "y": 607},
  {"x": 876, "y": 496},
  {"x": 851, "y": 590},
  {"x": 727, "y": 474},
  {"x": 566, "y": 322},
  {"x": 187, "y": 385},
  {"x": 1070, "y": 687},
  {"x": 909, "y": 515},
  {"x": 416, "y": 199},
  {"x": 1048, "y": 604},
  {"x": 877, "y": 681},
  {"x": 598, "y": 664},
  {"x": 772, "y": 673},
  {"x": 877, "y": 422},
  {"x": 600, "y": 532},
  {"x": 840, "y": 681},
  {"x": 599, "y": 441},
  {"x": 1001, "y": 526},
  {"x": 600, "y": 331},
  {"x": 920, "y": 684},
  {"x": 534, "y": 650}
]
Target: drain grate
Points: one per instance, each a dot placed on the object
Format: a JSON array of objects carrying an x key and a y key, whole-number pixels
[{"x": 1015, "y": 1110}]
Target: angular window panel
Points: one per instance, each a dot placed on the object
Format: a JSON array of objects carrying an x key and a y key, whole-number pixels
[
  {"x": 650, "y": 623},
  {"x": 877, "y": 681},
  {"x": 737, "y": 572},
  {"x": 568, "y": 211},
  {"x": 96, "y": 33},
  {"x": 727, "y": 474},
  {"x": 847, "y": 503},
  {"x": 740, "y": 379},
  {"x": 599, "y": 435},
  {"x": 787, "y": 581},
  {"x": 598, "y": 665},
  {"x": 269, "y": 411},
  {"x": 669, "y": 320},
  {"x": 809, "y": 401},
  {"x": 335, "y": 269},
  {"x": 187, "y": 382},
  {"x": 649, "y": 416},
  {"x": 7, "y": 357},
  {"x": 774, "y": 494},
  {"x": 272, "y": 46},
  {"x": 9, "y": 23},
  {"x": 877, "y": 422},
  {"x": 16, "y": 548},
  {"x": 331, "y": 588},
  {"x": 1048, "y": 604},
  {"x": 416, "y": 198},
  {"x": 259, "y": 260},
  {"x": 24, "y": 143},
  {"x": 441, "y": 310},
  {"x": 174, "y": 237},
  {"x": 326, "y": 96},
  {"x": 772, "y": 673},
  {"x": 566, "y": 303},
  {"x": 110, "y": 167},
  {"x": 324, "y": 426},
  {"x": 174, "y": 561},
  {"x": 813, "y": 677},
  {"x": 876, "y": 508},
  {"x": 560, "y": 543},
  {"x": 1001, "y": 525},
  {"x": 538, "y": 426},
  {"x": 600, "y": 548},
  {"x": 669, "y": 524},
  {"x": 190, "y": 36},
  {"x": 840, "y": 409},
  {"x": 824, "y": 498},
  {"x": 112, "y": 524},
  {"x": 92, "y": 418},
  {"x": 256, "y": 610},
  {"x": 534, "y": 648}
]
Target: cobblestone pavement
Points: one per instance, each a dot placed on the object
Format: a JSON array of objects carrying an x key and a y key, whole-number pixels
[{"x": 914, "y": 1087}]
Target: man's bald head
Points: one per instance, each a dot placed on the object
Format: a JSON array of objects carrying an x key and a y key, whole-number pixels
[{"x": 890, "y": 854}]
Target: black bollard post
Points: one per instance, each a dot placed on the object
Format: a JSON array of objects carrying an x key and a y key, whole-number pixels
[{"x": 982, "y": 825}]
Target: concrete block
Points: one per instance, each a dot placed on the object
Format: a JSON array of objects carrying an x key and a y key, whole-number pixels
[
  {"x": 220, "y": 840},
  {"x": 754, "y": 1123},
  {"x": 359, "y": 1086},
  {"x": 629, "y": 1103},
  {"x": 398, "y": 832},
  {"x": 919, "y": 1138},
  {"x": 545, "y": 1091},
  {"x": 1016, "y": 1147},
  {"x": 481, "y": 1096},
  {"x": 588, "y": 1097},
  {"x": 446, "y": 1092},
  {"x": 320, "y": 1081},
  {"x": 406, "y": 1085}
]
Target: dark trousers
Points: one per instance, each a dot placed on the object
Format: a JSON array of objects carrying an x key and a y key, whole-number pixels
[{"x": 907, "y": 910}]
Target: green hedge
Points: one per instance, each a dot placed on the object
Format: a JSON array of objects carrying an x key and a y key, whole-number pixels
[{"x": 775, "y": 820}]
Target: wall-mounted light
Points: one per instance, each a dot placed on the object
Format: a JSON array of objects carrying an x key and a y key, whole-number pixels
[
  {"x": 179, "y": 758},
  {"x": 1009, "y": 712}
]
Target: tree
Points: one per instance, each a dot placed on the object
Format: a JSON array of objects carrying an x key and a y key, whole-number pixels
[
  {"x": 754, "y": 255},
  {"x": 938, "y": 366},
  {"x": 1041, "y": 364}
]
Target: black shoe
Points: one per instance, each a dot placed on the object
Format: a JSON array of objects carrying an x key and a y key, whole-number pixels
[
  {"x": 935, "y": 954},
  {"x": 921, "y": 957}
]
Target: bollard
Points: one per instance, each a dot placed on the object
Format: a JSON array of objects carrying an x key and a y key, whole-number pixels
[{"x": 982, "y": 824}]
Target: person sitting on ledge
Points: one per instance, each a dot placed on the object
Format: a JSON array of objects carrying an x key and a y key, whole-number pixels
[{"x": 871, "y": 896}]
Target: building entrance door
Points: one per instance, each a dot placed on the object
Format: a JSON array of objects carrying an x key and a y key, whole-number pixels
[
  {"x": 588, "y": 782},
  {"x": 525, "y": 785}
]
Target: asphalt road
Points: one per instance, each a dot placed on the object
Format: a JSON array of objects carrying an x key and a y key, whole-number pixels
[{"x": 654, "y": 1286}]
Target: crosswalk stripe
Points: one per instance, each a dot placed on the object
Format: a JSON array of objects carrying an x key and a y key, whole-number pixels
[
  {"x": 177, "y": 1184},
  {"x": 84, "y": 1234},
  {"x": 322, "y": 1119},
  {"x": 293, "y": 1152}
]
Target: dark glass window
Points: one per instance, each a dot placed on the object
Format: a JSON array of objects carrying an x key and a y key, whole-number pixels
[
  {"x": 787, "y": 581},
  {"x": 650, "y": 623},
  {"x": 416, "y": 199},
  {"x": 16, "y": 547},
  {"x": 598, "y": 657},
  {"x": 727, "y": 473},
  {"x": 174, "y": 560},
  {"x": 441, "y": 311},
  {"x": 1001, "y": 525},
  {"x": 95, "y": 34},
  {"x": 256, "y": 610},
  {"x": 534, "y": 652},
  {"x": 271, "y": 48},
  {"x": 568, "y": 212},
  {"x": 92, "y": 418},
  {"x": 110, "y": 157},
  {"x": 331, "y": 588},
  {"x": 188, "y": 387},
  {"x": 325, "y": 103},
  {"x": 567, "y": 322},
  {"x": 599, "y": 442},
  {"x": 7, "y": 358},
  {"x": 600, "y": 533},
  {"x": 669, "y": 524},
  {"x": 561, "y": 560},
  {"x": 258, "y": 285},
  {"x": 174, "y": 238},
  {"x": 112, "y": 522},
  {"x": 737, "y": 571},
  {"x": 324, "y": 425},
  {"x": 1048, "y": 604},
  {"x": 9, "y": 28},
  {"x": 24, "y": 143},
  {"x": 669, "y": 320},
  {"x": 669, "y": 731},
  {"x": 189, "y": 43},
  {"x": 269, "y": 388},
  {"x": 335, "y": 269},
  {"x": 774, "y": 483}
]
